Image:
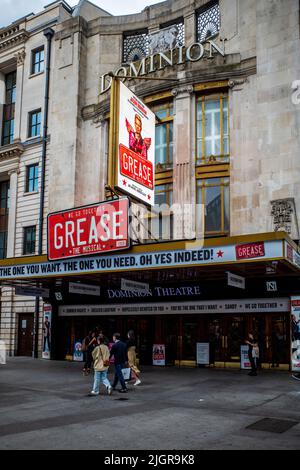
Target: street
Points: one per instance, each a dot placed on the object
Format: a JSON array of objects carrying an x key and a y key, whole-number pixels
[{"x": 44, "y": 405}]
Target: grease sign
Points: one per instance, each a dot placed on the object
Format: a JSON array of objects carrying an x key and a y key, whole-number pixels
[
  {"x": 98, "y": 228},
  {"x": 135, "y": 146}
]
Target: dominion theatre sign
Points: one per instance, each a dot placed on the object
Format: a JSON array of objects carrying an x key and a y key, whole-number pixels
[{"x": 160, "y": 60}]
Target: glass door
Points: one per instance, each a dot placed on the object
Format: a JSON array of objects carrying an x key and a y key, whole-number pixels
[{"x": 235, "y": 334}]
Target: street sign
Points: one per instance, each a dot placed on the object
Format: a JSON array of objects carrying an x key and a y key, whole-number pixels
[
  {"x": 134, "y": 286},
  {"x": 271, "y": 286},
  {"x": 83, "y": 289},
  {"x": 235, "y": 281},
  {"x": 32, "y": 291},
  {"x": 98, "y": 228}
]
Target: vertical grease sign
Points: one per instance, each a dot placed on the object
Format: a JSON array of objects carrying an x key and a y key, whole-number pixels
[{"x": 134, "y": 146}]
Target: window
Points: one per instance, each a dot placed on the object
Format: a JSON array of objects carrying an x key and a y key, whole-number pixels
[
  {"x": 9, "y": 108},
  {"x": 135, "y": 46},
  {"x": 213, "y": 193},
  {"x": 164, "y": 194},
  {"x": 29, "y": 240},
  {"x": 208, "y": 21},
  {"x": 32, "y": 178},
  {"x": 38, "y": 61},
  {"x": 164, "y": 137},
  {"x": 35, "y": 123},
  {"x": 4, "y": 209},
  {"x": 212, "y": 129}
]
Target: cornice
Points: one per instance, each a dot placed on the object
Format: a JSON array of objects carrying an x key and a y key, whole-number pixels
[
  {"x": 10, "y": 151},
  {"x": 12, "y": 37}
]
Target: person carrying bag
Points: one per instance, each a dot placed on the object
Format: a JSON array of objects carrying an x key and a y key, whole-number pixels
[{"x": 101, "y": 365}]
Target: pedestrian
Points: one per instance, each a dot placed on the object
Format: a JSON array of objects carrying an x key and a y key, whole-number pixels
[
  {"x": 106, "y": 340},
  {"x": 101, "y": 364},
  {"x": 90, "y": 344},
  {"x": 131, "y": 353},
  {"x": 119, "y": 351},
  {"x": 253, "y": 353}
]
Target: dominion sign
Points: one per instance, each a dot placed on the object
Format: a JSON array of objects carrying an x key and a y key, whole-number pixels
[{"x": 160, "y": 60}]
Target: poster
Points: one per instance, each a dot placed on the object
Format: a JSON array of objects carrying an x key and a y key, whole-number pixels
[
  {"x": 2, "y": 352},
  {"x": 136, "y": 147},
  {"x": 159, "y": 355},
  {"x": 203, "y": 353},
  {"x": 245, "y": 362},
  {"x": 295, "y": 333},
  {"x": 77, "y": 352},
  {"x": 47, "y": 318}
]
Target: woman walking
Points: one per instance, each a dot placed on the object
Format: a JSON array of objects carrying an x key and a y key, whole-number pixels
[
  {"x": 131, "y": 352},
  {"x": 101, "y": 365}
]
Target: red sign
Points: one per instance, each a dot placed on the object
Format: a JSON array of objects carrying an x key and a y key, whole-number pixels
[
  {"x": 89, "y": 230},
  {"x": 135, "y": 167},
  {"x": 250, "y": 250}
]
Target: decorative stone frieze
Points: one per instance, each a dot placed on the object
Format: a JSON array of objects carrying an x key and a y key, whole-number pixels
[{"x": 20, "y": 57}]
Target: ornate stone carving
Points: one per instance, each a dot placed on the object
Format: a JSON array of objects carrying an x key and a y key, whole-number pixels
[
  {"x": 166, "y": 39},
  {"x": 285, "y": 217},
  {"x": 232, "y": 83},
  {"x": 184, "y": 89},
  {"x": 20, "y": 57}
]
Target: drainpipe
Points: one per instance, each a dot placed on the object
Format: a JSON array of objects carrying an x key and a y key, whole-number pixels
[{"x": 48, "y": 33}]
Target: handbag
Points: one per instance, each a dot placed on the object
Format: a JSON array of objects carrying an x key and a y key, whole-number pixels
[
  {"x": 126, "y": 373},
  {"x": 105, "y": 361}
]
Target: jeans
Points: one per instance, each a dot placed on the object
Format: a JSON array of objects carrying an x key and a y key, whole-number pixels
[
  {"x": 100, "y": 377},
  {"x": 119, "y": 376}
]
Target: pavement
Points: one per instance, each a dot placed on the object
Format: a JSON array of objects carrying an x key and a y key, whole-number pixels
[{"x": 44, "y": 405}]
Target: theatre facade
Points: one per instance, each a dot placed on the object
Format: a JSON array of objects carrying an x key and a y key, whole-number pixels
[{"x": 219, "y": 77}]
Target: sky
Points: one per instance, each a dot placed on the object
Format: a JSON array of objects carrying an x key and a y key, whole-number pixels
[{"x": 11, "y": 10}]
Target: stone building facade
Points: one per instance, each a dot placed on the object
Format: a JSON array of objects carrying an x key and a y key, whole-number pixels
[{"x": 227, "y": 129}]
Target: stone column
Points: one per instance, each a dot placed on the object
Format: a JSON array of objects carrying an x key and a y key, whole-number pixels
[
  {"x": 2, "y": 99},
  {"x": 11, "y": 230},
  {"x": 190, "y": 28},
  {"x": 20, "y": 56},
  {"x": 184, "y": 161}
]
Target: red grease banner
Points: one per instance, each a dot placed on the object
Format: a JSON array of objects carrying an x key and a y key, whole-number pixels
[
  {"x": 250, "y": 250},
  {"x": 135, "y": 167},
  {"x": 99, "y": 228}
]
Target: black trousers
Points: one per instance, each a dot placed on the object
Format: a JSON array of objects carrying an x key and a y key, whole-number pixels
[{"x": 253, "y": 363}]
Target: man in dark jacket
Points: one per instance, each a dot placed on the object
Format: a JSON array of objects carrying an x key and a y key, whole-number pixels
[{"x": 119, "y": 351}]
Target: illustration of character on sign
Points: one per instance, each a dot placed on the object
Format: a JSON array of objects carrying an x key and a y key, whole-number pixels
[
  {"x": 136, "y": 142},
  {"x": 47, "y": 335}
]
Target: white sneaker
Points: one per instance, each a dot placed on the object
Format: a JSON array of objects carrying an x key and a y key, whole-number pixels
[
  {"x": 109, "y": 390},
  {"x": 137, "y": 382},
  {"x": 93, "y": 394}
]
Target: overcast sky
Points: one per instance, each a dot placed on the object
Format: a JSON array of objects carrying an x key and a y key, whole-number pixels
[{"x": 11, "y": 10}]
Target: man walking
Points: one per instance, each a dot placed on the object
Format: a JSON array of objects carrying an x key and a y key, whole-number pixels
[{"x": 119, "y": 351}]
